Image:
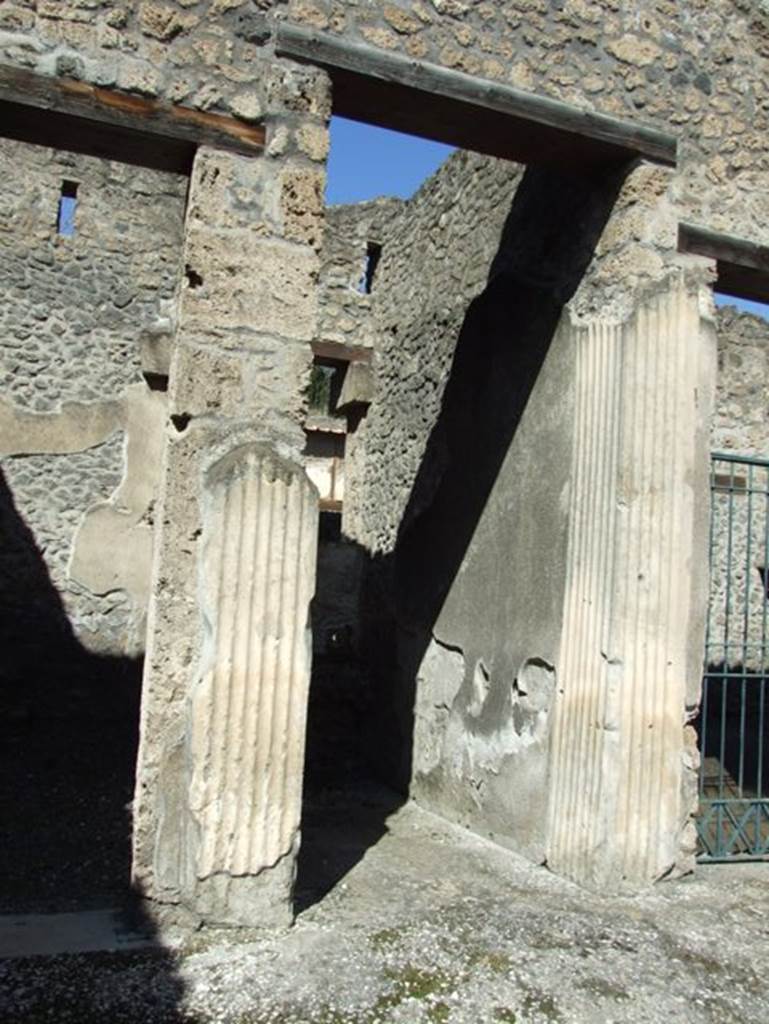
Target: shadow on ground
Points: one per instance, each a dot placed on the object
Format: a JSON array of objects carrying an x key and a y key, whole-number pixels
[{"x": 344, "y": 809}]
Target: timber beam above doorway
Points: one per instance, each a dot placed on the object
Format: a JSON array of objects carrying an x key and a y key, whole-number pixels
[
  {"x": 423, "y": 99},
  {"x": 69, "y": 114},
  {"x": 742, "y": 266}
]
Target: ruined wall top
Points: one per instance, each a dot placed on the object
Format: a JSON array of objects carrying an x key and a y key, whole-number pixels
[{"x": 344, "y": 300}]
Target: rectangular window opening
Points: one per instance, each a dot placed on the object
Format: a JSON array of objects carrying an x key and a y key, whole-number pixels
[
  {"x": 65, "y": 219},
  {"x": 325, "y": 385}
]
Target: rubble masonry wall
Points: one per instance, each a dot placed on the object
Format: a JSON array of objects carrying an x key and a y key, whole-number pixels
[{"x": 73, "y": 313}]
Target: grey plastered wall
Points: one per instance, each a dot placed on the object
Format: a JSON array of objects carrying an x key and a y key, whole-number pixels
[
  {"x": 461, "y": 473},
  {"x": 464, "y": 465},
  {"x": 80, "y": 430}
]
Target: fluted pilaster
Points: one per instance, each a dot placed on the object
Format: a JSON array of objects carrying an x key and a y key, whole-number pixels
[
  {"x": 615, "y": 813},
  {"x": 248, "y": 711}
]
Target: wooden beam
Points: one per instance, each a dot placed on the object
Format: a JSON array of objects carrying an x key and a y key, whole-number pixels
[
  {"x": 742, "y": 266},
  {"x": 79, "y": 135},
  {"x": 340, "y": 352},
  {"x": 125, "y": 120},
  {"x": 449, "y": 106}
]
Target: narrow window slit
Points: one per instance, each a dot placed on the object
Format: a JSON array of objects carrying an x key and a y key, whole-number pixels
[
  {"x": 373, "y": 255},
  {"x": 65, "y": 219}
]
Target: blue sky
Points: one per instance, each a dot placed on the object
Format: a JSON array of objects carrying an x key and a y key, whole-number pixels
[
  {"x": 749, "y": 307},
  {"x": 366, "y": 162}
]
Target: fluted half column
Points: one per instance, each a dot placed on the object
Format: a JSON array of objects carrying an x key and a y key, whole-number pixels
[
  {"x": 632, "y": 617},
  {"x": 248, "y": 710}
]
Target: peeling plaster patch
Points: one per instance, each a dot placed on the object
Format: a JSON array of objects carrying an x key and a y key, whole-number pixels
[
  {"x": 76, "y": 428},
  {"x": 535, "y": 685},
  {"x": 524, "y": 726},
  {"x": 440, "y": 677},
  {"x": 112, "y": 549},
  {"x": 481, "y": 685}
]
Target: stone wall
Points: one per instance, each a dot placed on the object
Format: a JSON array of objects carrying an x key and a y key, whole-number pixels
[
  {"x": 741, "y": 419},
  {"x": 699, "y": 69},
  {"x": 586, "y": 267},
  {"x": 80, "y": 429},
  {"x": 344, "y": 305},
  {"x": 459, "y": 511},
  {"x": 739, "y": 542}
]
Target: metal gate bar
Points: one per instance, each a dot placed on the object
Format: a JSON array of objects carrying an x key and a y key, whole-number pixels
[{"x": 733, "y": 820}]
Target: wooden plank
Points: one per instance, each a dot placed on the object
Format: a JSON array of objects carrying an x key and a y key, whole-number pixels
[
  {"x": 449, "y": 106},
  {"x": 150, "y": 118},
  {"x": 742, "y": 266},
  {"x": 79, "y": 135}
]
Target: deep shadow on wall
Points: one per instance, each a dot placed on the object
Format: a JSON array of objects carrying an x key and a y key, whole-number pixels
[
  {"x": 68, "y": 739},
  {"x": 547, "y": 244},
  {"x": 70, "y": 731}
]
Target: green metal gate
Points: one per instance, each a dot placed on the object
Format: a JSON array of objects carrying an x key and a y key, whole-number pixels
[{"x": 734, "y": 742}]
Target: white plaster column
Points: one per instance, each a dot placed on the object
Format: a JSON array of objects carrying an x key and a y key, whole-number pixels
[
  {"x": 248, "y": 709},
  {"x": 620, "y": 806}
]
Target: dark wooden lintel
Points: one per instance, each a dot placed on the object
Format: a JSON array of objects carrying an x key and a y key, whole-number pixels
[
  {"x": 81, "y": 135},
  {"x": 69, "y": 114},
  {"x": 423, "y": 99},
  {"x": 339, "y": 352},
  {"x": 742, "y": 266}
]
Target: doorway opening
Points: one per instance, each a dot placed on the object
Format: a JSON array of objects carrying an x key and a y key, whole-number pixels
[
  {"x": 347, "y": 797},
  {"x": 451, "y": 345}
]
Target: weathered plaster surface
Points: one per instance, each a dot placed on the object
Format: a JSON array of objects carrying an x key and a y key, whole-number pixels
[
  {"x": 623, "y": 789},
  {"x": 80, "y": 431},
  {"x": 471, "y": 622},
  {"x": 248, "y": 709}
]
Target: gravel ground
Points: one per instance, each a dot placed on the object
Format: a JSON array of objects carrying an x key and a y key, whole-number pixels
[{"x": 432, "y": 924}]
